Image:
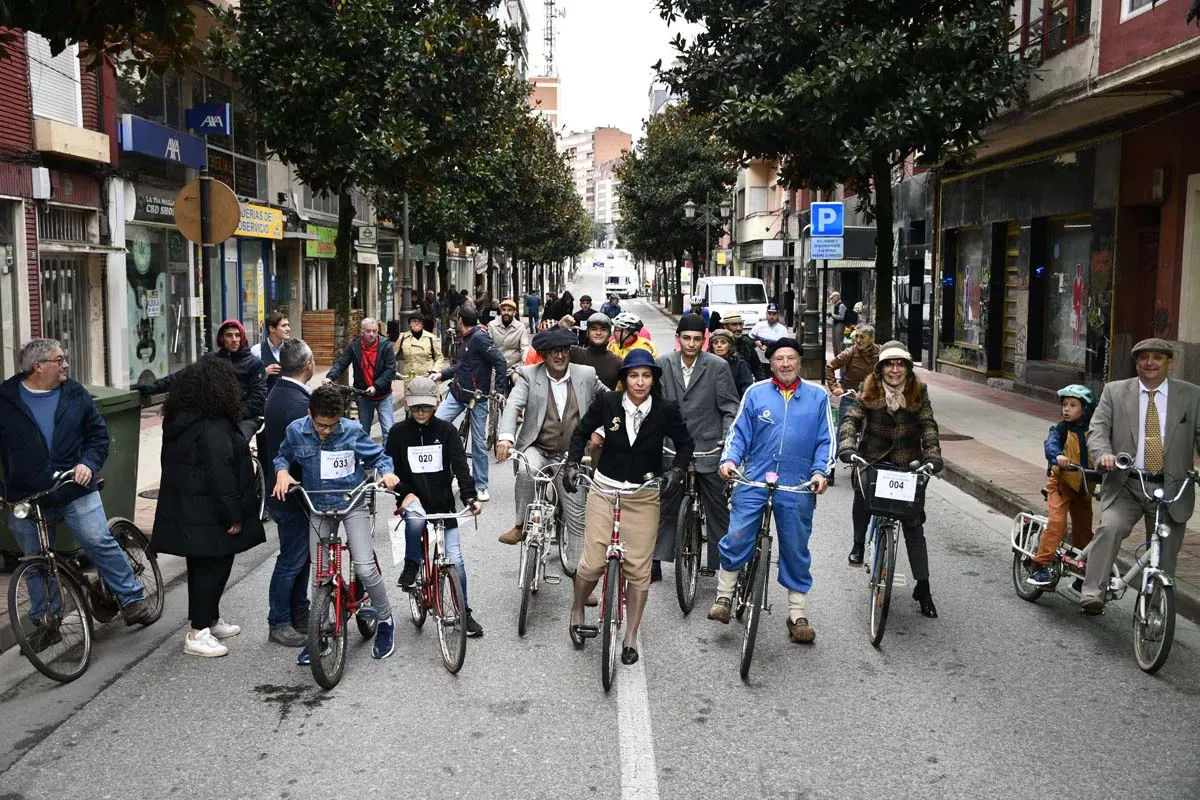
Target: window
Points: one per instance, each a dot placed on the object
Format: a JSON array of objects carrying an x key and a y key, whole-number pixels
[
  {"x": 154, "y": 96},
  {"x": 1135, "y": 8},
  {"x": 968, "y": 277},
  {"x": 756, "y": 200},
  {"x": 1069, "y": 241},
  {"x": 54, "y": 82},
  {"x": 1044, "y": 28}
]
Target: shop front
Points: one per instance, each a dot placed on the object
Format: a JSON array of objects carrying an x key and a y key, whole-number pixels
[
  {"x": 247, "y": 277},
  {"x": 319, "y": 254}
]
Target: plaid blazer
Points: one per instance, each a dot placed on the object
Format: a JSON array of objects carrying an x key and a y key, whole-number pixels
[{"x": 899, "y": 438}]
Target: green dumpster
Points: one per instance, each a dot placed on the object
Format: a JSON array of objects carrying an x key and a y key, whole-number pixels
[{"x": 122, "y": 413}]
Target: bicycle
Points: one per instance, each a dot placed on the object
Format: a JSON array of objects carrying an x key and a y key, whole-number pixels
[
  {"x": 612, "y": 603},
  {"x": 350, "y": 396},
  {"x": 543, "y": 515},
  {"x": 334, "y": 596},
  {"x": 260, "y": 481},
  {"x": 837, "y": 412},
  {"x": 750, "y": 591},
  {"x": 57, "y": 639},
  {"x": 438, "y": 588},
  {"x": 1154, "y": 609},
  {"x": 691, "y": 534},
  {"x": 893, "y": 496},
  {"x": 464, "y": 427}
]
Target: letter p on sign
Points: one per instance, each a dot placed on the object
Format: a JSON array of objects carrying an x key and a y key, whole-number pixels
[{"x": 828, "y": 219}]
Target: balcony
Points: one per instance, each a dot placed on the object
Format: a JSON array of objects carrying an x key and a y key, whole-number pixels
[{"x": 69, "y": 140}]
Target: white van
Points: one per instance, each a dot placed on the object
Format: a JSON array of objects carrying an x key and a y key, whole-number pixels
[
  {"x": 621, "y": 281},
  {"x": 734, "y": 295}
]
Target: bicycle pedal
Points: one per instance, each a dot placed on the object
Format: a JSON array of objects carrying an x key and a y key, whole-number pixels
[
  {"x": 707, "y": 573},
  {"x": 899, "y": 579},
  {"x": 553, "y": 580},
  {"x": 587, "y": 631}
]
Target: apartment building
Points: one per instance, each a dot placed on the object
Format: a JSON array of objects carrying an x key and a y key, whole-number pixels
[{"x": 585, "y": 151}]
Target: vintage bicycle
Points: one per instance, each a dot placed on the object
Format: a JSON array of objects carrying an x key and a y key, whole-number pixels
[
  {"x": 543, "y": 526},
  {"x": 691, "y": 535}
]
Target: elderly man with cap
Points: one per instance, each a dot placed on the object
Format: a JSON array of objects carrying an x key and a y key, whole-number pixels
[
  {"x": 782, "y": 426},
  {"x": 509, "y": 335},
  {"x": 743, "y": 345},
  {"x": 1156, "y": 420},
  {"x": 552, "y": 396}
]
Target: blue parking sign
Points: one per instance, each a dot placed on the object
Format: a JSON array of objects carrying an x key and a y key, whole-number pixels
[{"x": 828, "y": 219}]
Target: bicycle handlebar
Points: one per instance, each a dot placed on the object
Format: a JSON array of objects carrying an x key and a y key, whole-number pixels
[
  {"x": 466, "y": 513},
  {"x": 353, "y": 496},
  {"x": 58, "y": 481},
  {"x": 542, "y": 473},
  {"x": 716, "y": 451},
  {"x": 913, "y": 466},
  {"x": 595, "y": 486},
  {"x": 1125, "y": 462},
  {"x": 805, "y": 488}
]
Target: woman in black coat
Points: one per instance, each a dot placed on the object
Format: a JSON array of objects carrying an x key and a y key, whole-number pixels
[{"x": 207, "y": 504}]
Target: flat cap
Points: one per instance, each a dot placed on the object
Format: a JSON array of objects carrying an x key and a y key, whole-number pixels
[{"x": 1154, "y": 345}]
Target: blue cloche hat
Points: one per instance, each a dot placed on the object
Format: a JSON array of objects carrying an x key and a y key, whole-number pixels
[{"x": 640, "y": 358}]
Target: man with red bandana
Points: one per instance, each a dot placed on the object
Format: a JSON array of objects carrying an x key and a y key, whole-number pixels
[
  {"x": 782, "y": 425},
  {"x": 374, "y": 363}
]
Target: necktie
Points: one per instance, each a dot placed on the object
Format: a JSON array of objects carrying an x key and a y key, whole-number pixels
[
  {"x": 1153, "y": 454},
  {"x": 638, "y": 416}
]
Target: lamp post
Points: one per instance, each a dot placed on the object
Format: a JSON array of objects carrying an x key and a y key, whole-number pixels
[{"x": 709, "y": 219}]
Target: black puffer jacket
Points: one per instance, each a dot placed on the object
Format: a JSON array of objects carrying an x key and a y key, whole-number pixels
[
  {"x": 207, "y": 485},
  {"x": 251, "y": 374},
  {"x": 433, "y": 489}
]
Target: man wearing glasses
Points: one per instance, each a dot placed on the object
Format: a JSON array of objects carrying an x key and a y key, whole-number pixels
[{"x": 48, "y": 424}]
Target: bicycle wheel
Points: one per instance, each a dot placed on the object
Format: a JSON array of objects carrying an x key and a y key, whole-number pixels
[
  {"x": 1154, "y": 625},
  {"x": 416, "y": 602},
  {"x": 883, "y": 568},
  {"x": 143, "y": 561},
  {"x": 610, "y": 623},
  {"x": 326, "y": 637},
  {"x": 50, "y": 619},
  {"x": 742, "y": 591},
  {"x": 1022, "y": 568},
  {"x": 761, "y": 570},
  {"x": 529, "y": 565},
  {"x": 451, "y": 618},
  {"x": 687, "y": 555},
  {"x": 568, "y": 555}
]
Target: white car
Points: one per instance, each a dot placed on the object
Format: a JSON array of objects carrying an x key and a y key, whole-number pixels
[
  {"x": 735, "y": 295},
  {"x": 621, "y": 282}
]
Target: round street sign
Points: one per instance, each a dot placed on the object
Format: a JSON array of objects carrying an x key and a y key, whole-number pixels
[{"x": 224, "y": 211}]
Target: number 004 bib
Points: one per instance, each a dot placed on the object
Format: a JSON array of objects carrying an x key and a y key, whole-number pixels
[
  {"x": 336, "y": 464},
  {"x": 427, "y": 458}
]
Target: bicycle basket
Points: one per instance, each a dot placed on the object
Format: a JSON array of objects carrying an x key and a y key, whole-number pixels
[{"x": 885, "y": 500}]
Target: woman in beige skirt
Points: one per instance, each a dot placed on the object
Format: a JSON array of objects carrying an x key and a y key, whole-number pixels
[{"x": 635, "y": 421}]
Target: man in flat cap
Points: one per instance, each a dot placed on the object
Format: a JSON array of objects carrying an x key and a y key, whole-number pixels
[{"x": 1156, "y": 420}]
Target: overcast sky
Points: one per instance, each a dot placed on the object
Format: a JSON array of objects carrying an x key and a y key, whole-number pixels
[{"x": 604, "y": 50}]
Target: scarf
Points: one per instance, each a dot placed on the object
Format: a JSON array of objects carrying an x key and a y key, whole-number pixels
[
  {"x": 893, "y": 398},
  {"x": 369, "y": 354}
]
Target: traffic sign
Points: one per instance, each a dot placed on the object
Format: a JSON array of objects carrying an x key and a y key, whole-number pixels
[
  {"x": 828, "y": 248},
  {"x": 224, "y": 212},
  {"x": 828, "y": 219}
]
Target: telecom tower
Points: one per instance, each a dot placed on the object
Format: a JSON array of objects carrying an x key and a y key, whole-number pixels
[{"x": 548, "y": 36}]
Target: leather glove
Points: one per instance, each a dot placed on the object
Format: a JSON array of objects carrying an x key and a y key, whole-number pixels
[
  {"x": 936, "y": 463},
  {"x": 847, "y": 455},
  {"x": 672, "y": 480},
  {"x": 570, "y": 477}
]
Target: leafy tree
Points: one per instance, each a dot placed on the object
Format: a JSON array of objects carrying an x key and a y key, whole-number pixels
[
  {"x": 375, "y": 94},
  {"x": 843, "y": 90},
  {"x": 679, "y": 159}
]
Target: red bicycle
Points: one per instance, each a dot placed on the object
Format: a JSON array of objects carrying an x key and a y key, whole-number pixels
[
  {"x": 335, "y": 594},
  {"x": 612, "y": 603}
]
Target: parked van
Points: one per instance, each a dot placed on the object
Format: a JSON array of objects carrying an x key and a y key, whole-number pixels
[
  {"x": 734, "y": 295},
  {"x": 621, "y": 281}
]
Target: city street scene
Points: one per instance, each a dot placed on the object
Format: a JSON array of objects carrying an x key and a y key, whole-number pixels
[{"x": 599, "y": 399}]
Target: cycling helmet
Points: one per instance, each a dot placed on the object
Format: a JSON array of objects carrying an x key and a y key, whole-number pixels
[
  {"x": 600, "y": 318},
  {"x": 1079, "y": 391},
  {"x": 628, "y": 321}
]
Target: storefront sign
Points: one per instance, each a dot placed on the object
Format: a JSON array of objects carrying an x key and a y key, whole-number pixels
[
  {"x": 209, "y": 118},
  {"x": 260, "y": 222},
  {"x": 323, "y": 246},
  {"x": 368, "y": 235},
  {"x": 158, "y": 141},
  {"x": 154, "y": 205}
]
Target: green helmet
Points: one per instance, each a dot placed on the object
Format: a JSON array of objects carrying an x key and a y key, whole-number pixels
[{"x": 1077, "y": 390}]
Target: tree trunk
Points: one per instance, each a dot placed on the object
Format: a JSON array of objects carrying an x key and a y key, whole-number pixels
[
  {"x": 676, "y": 298},
  {"x": 339, "y": 276},
  {"x": 443, "y": 276},
  {"x": 884, "y": 242}
]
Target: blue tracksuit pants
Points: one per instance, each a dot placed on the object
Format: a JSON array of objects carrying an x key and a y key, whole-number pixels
[{"x": 793, "y": 526}]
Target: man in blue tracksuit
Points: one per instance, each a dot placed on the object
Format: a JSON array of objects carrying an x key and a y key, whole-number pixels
[{"x": 783, "y": 425}]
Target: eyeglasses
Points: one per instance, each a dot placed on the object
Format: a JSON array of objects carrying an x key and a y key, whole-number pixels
[
  {"x": 561, "y": 352},
  {"x": 421, "y": 409},
  {"x": 61, "y": 360},
  {"x": 321, "y": 426},
  {"x": 894, "y": 364}
]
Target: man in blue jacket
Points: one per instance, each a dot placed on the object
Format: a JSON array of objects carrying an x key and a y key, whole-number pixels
[
  {"x": 782, "y": 426},
  {"x": 49, "y": 424},
  {"x": 374, "y": 363},
  {"x": 287, "y": 616},
  {"x": 478, "y": 360}
]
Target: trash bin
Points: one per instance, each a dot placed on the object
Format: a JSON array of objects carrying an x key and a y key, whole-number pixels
[{"x": 122, "y": 413}]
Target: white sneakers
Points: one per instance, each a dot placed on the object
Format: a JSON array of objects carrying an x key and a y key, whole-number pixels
[
  {"x": 483, "y": 496},
  {"x": 223, "y": 630},
  {"x": 204, "y": 644}
]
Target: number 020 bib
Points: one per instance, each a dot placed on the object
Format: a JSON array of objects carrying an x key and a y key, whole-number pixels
[
  {"x": 336, "y": 464},
  {"x": 427, "y": 458}
]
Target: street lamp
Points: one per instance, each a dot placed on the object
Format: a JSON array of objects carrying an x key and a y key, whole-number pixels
[{"x": 709, "y": 219}]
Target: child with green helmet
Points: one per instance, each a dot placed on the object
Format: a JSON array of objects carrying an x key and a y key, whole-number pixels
[{"x": 1065, "y": 491}]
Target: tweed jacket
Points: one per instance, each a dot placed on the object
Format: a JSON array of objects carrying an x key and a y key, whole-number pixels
[
  {"x": 532, "y": 395},
  {"x": 708, "y": 404},
  {"x": 901, "y": 437}
]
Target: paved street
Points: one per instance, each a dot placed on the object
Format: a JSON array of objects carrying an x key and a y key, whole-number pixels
[{"x": 997, "y": 698}]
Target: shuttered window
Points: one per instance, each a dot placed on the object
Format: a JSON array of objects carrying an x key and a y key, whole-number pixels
[{"x": 54, "y": 81}]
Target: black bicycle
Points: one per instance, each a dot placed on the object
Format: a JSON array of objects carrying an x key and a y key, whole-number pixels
[{"x": 691, "y": 534}]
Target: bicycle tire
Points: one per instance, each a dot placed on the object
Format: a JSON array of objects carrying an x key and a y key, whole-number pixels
[
  {"x": 144, "y": 562},
  {"x": 742, "y": 590},
  {"x": 568, "y": 559},
  {"x": 464, "y": 431},
  {"x": 260, "y": 487},
  {"x": 758, "y": 600},
  {"x": 687, "y": 555},
  {"x": 529, "y": 565},
  {"x": 416, "y": 602},
  {"x": 1021, "y": 572},
  {"x": 610, "y": 623},
  {"x": 451, "y": 618},
  {"x": 69, "y": 657},
  {"x": 326, "y": 638},
  {"x": 1159, "y": 629},
  {"x": 883, "y": 569}
]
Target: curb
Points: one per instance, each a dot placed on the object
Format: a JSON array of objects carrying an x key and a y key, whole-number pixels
[{"x": 1009, "y": 504}]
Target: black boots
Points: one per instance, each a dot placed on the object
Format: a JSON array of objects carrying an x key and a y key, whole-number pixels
[{"x": 921, "y": 595}]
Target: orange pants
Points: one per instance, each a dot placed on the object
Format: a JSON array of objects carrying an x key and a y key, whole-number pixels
[{"x": 1064, "y": 501}]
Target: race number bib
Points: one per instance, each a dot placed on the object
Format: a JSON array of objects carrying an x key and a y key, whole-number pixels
[
  {"x": 337, "y": 464},
  {"x": 425, "y": 459},
  {"x": 896, "y": 486}
]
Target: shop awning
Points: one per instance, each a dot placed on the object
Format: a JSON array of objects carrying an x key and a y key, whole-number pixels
[
  {"x": 311, "y": 237},
  {"x": 366, "y": 256},
  {"x": 79, "y": 247}
]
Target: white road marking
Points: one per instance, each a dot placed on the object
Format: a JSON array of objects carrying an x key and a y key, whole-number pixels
[{"x": 639, "y": 775}]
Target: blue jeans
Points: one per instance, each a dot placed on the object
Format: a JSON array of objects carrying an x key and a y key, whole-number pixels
[
  {"x": 288, "y": 593},
  {"x": 414, "y": 529},
  {"x": 366, "y": 414},
  {"x": 449, "y": 410},
  {"x": 85, "y": 519}
]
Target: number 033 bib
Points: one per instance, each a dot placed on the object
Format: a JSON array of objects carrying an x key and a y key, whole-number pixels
[
  {"x": 427, "y": 458},
  {"x": 337, "y": 464}
]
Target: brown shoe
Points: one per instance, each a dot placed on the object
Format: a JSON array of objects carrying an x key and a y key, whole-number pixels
[
  {"x": 1091, "y": 604},
  {"x": 592, "y": 601},
  {"x": 801, "y": 632},
  {"x": 719, "y": 612},
  {"x": 514, "y": 535}
]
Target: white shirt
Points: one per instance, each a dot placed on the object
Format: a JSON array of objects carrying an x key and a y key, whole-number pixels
[
  {"x": 1160, "y": 402},
  {"x": 630, "y": 411},
  {"x": 256, "y": 349},
  {"x": 687, "y": 371},
  {"x": 768, "y": 332},
  {"x": 303, "y": 386},
  {"x": 558, "y": 390}
]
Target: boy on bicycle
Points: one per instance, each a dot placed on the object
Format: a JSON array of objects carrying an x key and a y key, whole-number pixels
[
  {"x": 1065, "y": 444},
  {"x": 429, "y": 455},
  {"x": 331, "y": 452}
]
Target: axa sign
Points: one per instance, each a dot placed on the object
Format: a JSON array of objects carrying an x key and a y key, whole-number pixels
[
  {"x": 209, "y": 119},
  {"x": 148, "y": 138}
]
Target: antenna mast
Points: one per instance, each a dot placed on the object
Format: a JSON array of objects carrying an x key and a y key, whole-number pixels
[{"x": 548, "y": 36}]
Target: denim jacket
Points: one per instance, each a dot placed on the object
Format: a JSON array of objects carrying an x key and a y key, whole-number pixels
[{"x": 303, "y": 447}]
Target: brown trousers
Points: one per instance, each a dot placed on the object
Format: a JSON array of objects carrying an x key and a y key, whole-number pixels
[
  {"x": 1064, "y": 501},
  {"x": 639, "y": 531}
]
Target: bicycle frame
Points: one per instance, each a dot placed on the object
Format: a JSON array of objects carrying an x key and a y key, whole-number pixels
[
  {"x": 763, "y": 538},
  {"x": 539, "y": 518}
]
